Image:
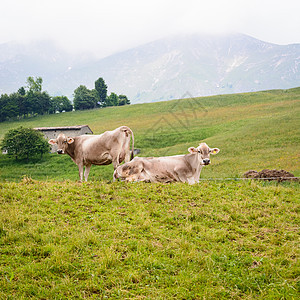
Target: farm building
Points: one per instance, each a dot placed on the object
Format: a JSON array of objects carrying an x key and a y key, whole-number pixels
[{"x": 71, "y": 131}]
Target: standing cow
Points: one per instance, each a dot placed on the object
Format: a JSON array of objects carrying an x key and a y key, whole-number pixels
[
  {"x": 104, "y": 149},
  {"x": 184, "y": 168}
]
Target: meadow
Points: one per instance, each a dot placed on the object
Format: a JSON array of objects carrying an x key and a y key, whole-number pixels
[
  {"x": 253, "y": 131},
  {"x": 219, "y": 239},
  {"x": 214, "y": 240}
]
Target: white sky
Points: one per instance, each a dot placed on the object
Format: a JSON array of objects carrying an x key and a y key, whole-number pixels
[{"x": 107, "y": 26}]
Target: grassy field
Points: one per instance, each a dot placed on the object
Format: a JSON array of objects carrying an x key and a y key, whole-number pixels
[
  {"x": 253, "y": 130},
  {"x": 215, "y": 240},
  {"x": 219, "y": 239}
]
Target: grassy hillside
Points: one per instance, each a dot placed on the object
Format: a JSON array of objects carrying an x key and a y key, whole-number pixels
[
  {"x": 224, "y": 240},
  {"x": 60, "y": 239},
  {"x": 253, "y": 130}
]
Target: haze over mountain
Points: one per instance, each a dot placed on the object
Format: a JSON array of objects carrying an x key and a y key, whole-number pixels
[{"x": 170, "y": 68}]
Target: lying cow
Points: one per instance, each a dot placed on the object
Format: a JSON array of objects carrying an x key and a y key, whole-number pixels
[
  {"x": 104, "y": 149},
  {"x": 184, "y": 168}
]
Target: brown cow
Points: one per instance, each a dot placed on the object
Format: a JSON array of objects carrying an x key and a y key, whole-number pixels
[
  {"x": 184, "y": 168},
  {"x": 104, "y": 149}
]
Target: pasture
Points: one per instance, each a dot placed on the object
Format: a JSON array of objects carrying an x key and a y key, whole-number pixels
[
  {"x": 253, "y": 131},
  {"x": 219, "y": 239},
  {"x": 214, "y": 240}
]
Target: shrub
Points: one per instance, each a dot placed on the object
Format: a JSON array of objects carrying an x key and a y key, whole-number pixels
[{"x": 24, "y": 143}]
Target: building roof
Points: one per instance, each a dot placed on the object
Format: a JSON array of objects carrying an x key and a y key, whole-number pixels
[{"x": 77, "y": 127}]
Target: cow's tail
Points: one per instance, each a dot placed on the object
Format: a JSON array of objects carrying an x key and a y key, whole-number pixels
[
  {"x": 132, "y": 145},
  {"x": 128, "y": 131}
]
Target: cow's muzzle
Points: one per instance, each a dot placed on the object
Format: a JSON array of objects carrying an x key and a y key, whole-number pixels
[
  {"x": 60, "y": 151},
  {"x": 206, "y": 161},
  {"x": 116, "y": 174}
]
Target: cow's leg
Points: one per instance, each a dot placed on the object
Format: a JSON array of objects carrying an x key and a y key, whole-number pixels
[
  {"x": 80, "y": 169},
  {"x": 115, "y": 162},
  {"x": 127, "y": 156},
  {"x": 87, "y": 172}
]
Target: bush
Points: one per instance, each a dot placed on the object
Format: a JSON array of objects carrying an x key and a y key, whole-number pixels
[{"x": 24, "y": 143}]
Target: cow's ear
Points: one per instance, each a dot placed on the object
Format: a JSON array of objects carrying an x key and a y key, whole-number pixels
[
  {"x": 214, "y": 151},
  {"x": 193, "y": 150},
  {"x": 70, "y": 140},
  {"x": 52, "y": 142}
]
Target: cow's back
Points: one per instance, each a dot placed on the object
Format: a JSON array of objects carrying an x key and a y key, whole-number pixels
[
  {"x": 163, "y": 169},
  {"x": 153, "y": 169}
]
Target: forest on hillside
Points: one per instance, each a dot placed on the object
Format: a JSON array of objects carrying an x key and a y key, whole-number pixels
[{"x": 31, "y": 100}]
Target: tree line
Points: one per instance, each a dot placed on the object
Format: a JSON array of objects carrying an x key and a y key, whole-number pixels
[
  {"x": 31, "y": 100},
  {"x": 97, "y": 97}
]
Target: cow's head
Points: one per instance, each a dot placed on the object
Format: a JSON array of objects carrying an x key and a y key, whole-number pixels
[
  {"x": 62, "y": 143},
  {"x": 203, "y": 152}
]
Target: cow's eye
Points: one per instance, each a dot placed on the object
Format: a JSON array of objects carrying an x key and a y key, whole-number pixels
[
  {"x": 64, "y": 142},
  {"x": 199, "y": 151}
]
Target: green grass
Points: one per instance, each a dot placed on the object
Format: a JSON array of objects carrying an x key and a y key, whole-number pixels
[
  {"x": 60, "y": 239},
  {"x": 215, "y": 240},
  {"x": 253, "y": 130}
]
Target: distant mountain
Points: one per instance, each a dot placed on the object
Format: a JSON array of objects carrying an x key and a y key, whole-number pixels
[
  {"x": 193, "y": 65},
  {"x": 40, "y": 58}
]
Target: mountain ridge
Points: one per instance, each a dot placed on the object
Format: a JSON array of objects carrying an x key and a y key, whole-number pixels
[{"x": 198, "y": 65}]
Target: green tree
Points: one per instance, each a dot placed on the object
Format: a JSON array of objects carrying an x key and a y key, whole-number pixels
[
  {"x": 22, "y": 91},
  {"x": 60, "y": 103},
  {"x": 112, "y": 100},
  {"x": 38, "y": 102},
  {"x": 101, "y": 89},
  {"x": 24, "y": 143},
  {"x": 8, "y": 107},
  {"x": 88, "y": 99},
  {"x": 123, "y": 100},
  {"x": 34, "y": 85},
  {"x": 22, "y": 101},
  {"x": 3, "y": 102},
  {"x": 13, "y": 108},
  {"x": 44, "y": 102},
  {"x": 84, "y": 98}
]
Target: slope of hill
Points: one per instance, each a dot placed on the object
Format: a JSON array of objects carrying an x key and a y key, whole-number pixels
[
  {"x": 253, "y": 130},
  {"x": 216, "y": 240},
  {"x": 170, "y": 68}
]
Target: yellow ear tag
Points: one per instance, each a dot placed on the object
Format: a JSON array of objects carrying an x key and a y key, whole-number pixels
[{"x": 215, "y": 151}]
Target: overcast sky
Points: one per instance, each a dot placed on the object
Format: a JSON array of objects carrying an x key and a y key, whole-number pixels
[{"x": 108, "y": 26}]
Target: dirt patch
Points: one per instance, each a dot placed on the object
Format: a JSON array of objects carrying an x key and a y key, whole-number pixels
[
  {"x": 255, "y": 264},
  {"x": 279, "y": 175}
]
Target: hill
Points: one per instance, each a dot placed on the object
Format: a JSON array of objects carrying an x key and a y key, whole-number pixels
[
  {"x": 165, "y": 69},
  {"x": 60, "y": 239},
  {"x": 253, "y": 130}
]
